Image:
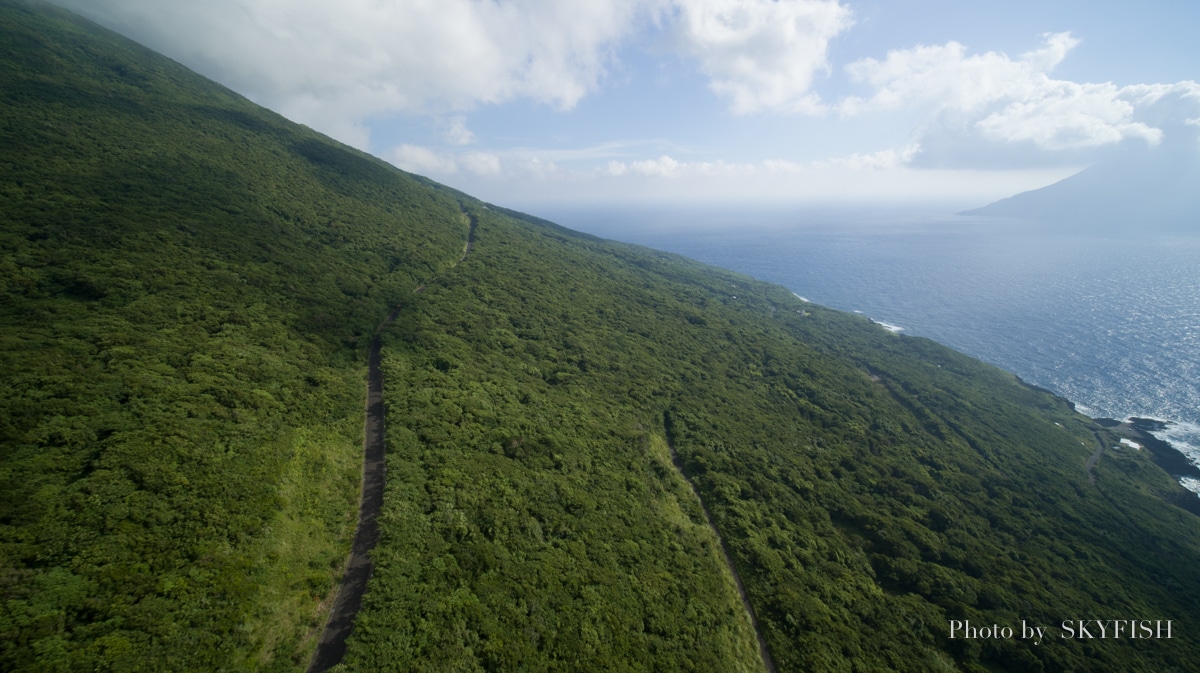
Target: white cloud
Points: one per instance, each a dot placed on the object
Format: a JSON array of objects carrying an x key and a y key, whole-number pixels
[
  {"x": 480, "y": 163},
  {"x": 541, "y": 165},
  {"x": 943, "y": 76},
  {"x": 762, "y": 55},
  {"x": 614, "y": 168},
  {"x": 883, "y": 159},
  {"x": 781, "y": 166},
  {"x": 670, "y": 168},
  {"x": 1065, "y": 115},
  {"x": 334, "y": 64},
  {"x": 456, "y": 131},
  {"x": 416, "y": 159},
  {"x": 427, "y": 161},
  {"x": 663, "y": 166},
  {"x": 774, "y": 182},
  {"x": 998, "y": 99},
  {"x": 615, "y": 150},
  {"x": 539, "y": 169},
  {"x": 532, "y": 176}
]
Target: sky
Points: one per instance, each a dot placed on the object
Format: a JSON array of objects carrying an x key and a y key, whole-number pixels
[{"x": 528, "y": 103}]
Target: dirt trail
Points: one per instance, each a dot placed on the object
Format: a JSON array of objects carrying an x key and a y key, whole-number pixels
[
  {"x": 768, "y": 663},
  {"x": 470, "y": 236},
  {"x": 332, "y": 645},
  {"x": 1091, "y": 461}
]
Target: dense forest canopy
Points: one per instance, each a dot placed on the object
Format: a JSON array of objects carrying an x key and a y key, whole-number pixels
[{"x": 190, "y": 284}]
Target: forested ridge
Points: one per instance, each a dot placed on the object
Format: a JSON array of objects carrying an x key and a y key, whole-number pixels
[{"x": 190, "y": 286}]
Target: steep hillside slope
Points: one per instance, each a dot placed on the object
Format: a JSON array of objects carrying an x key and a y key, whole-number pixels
[
  {"x": 188, "y": 281},
  {"x": 870, "y": 487},
  {"x": 190, "y": 284}
]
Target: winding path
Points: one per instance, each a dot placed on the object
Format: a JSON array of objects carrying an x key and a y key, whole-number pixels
[{"x": 332, "y": 645}]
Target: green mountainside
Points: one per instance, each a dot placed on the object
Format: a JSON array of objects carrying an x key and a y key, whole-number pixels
[{"x": 188, "y": 287}]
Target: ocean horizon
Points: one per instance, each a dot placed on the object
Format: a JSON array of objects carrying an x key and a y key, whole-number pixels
[{"x": 1108, "y": 321}]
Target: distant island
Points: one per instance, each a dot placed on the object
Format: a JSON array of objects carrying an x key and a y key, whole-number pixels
[{"x": 1137, "y": 189}]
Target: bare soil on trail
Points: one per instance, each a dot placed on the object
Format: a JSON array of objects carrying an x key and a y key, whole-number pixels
[
  {"x": 768, "y": 663},
  {"x": 1091, "y": 461},
  {"x": 332, "y": 645},
  {"x": 470, "y": 237}
]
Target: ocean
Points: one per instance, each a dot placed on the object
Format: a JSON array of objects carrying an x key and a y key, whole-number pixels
[{"x": 1110, "y": 322}]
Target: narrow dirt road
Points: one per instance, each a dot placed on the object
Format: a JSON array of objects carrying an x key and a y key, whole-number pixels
[
  {"x": 332, "y": 645},
  {"x": 470, "y": 236},
  {"x": 1091, "y": 461},
  {"x": 768, "y": 663}
]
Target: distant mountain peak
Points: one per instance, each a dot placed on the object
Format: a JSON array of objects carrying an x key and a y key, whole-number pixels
[{"x": 1155, "y": 189}]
